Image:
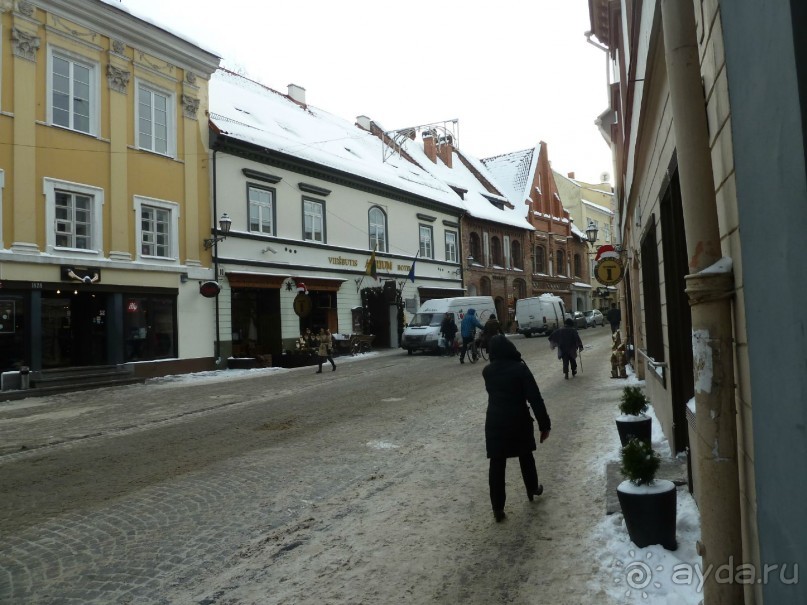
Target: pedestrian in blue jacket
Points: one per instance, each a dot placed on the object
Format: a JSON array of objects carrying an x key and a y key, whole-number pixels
[{"x": 468, "y": 328}]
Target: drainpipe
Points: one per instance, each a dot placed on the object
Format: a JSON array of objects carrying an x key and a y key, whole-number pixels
[
  {"x": 710, "y": 296},
  {"x": 216, "y": 265}
]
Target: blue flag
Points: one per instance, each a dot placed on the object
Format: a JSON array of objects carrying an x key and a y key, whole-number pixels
[{"x": 411, "y": 276}]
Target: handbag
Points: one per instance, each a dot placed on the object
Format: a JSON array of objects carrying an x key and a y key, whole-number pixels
[{"x": 441, "y": 342}]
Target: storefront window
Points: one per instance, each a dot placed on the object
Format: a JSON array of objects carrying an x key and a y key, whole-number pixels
[
  {"x": 13, "y": 349},
  {"x": 149, "y": 328}
]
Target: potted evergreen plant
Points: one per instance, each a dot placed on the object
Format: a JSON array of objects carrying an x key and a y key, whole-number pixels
[
  {"x": 633, "y": 422},
  {"x": 648, "y": 505}
]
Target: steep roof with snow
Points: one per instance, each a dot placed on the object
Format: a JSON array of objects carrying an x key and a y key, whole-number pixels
[
  {"x": 248, "y": 111},
  {"x": 513, "y": 171},
  {"x": 477, "y": 200}
]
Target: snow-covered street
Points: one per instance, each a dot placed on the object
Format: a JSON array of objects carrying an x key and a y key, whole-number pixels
[{"x": 364, "y": 485}]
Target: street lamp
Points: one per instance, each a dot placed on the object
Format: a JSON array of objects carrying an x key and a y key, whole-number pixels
[
  {"x": 591, "y": 232},
  {"x": 225, "y": 222}
]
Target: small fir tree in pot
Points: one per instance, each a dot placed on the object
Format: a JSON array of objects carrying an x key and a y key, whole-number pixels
[
  {"x": 633, "y": 401},
  {"x": 633, "y": 422},
  {"x": 640, "y": 462},
  {"x": 648, "y": 505}
]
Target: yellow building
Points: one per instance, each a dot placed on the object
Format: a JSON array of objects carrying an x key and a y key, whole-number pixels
[{"x": 104, "y": 190}]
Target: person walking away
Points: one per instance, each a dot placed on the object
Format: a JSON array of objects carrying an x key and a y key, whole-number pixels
[
  {"x": 492, "y": 327},
  {"x": 614, "y": 317},
  {"x": 509, "y": 431},
  {"x": 468, "y": 327},
  {"x": 325, "y": 349},
  {"x": 448, "y": 330},
  {"x": 568, "y": 342}
]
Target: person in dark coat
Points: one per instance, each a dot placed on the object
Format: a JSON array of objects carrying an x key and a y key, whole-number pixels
[
  {"x": 509, "y": 429},
  {"x": 448, "y": 329},
  {"x": 568, "y": 342},
  {"x": 614, "y": 317},
  {"x": 492, "y": 327}
]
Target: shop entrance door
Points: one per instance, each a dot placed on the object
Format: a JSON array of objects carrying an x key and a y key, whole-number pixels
[{"x": 73, "y": 329}]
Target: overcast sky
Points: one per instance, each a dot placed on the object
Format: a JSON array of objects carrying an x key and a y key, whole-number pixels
[{"x": 513, "y": 72}]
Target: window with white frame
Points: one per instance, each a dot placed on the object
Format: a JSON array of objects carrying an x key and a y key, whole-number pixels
[
  {"x": 73, "y": 215},
  {"x": 154, "y": 116},
  {"x": 314, "y": 221},
  {"x": 73, "y": 92},
  {"x": 426, "y": 248},
  {"x": 377, "y": 220},
  {"x": 157, "y": 230},
  {"x": 261, "y": 209},
  {"x": 451, "y": 247}
]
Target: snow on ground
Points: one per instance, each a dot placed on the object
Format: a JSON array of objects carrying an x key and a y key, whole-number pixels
[
  {"x": 649, "y": 575},
  {"x": 653, "y": 575}
]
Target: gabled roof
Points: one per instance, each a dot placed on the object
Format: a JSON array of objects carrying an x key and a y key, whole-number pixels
[
  {"x": 465, "y": 174},
  {"x": 513, "y": 171},
  {"x": 250, "y": 112}
]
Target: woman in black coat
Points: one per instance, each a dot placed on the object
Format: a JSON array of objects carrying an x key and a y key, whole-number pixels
[{"x": 508, "y": 425}]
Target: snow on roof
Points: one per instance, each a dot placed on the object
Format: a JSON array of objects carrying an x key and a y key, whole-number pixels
[
  {"x": 253, "y": 113},
  {"x": 477, "y": 199},
  {"x": 513, "y": 172},
  {"x": 130, "y": 6},
  {"x": 597, "y": 206},
  {"x": 576, "y": 230}
]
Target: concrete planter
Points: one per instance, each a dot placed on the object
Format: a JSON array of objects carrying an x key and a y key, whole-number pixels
[
  {"x": 649, "y": 512},
  {"x": 630, "y": 426}
]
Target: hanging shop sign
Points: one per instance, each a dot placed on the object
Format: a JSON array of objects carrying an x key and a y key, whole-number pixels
[
  {"x": 302, "y": 304},
  {"x": 85, "y": 275},
  {"x": 209, "y": 289},
  {"x": 609, "y": 271}
]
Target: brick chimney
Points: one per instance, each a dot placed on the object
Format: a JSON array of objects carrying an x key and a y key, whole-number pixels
[
  {"x": 430, "y": 145},
  {"x": 297, "y": 94},
  {"x": 445, "y": 148},
  {"x": 364, "y": 122},
  {"x": 571, "y": 175}
]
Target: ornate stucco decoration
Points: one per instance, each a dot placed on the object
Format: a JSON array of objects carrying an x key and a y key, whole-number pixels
[
  {"x": 72, "y": 29},
  {"x": 118, "y": 79},
  {"x": 155, "y": 64},
  {"x": 190, "y": 78},
  {"x": 118, "y": 47},
  {"x": 190, "y": 106},
  {"x": 26, "y": 8},
  {"x": 25, "y": 45}
]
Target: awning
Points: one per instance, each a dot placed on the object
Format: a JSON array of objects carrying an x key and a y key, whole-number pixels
[{"x": 320, "y": 284}]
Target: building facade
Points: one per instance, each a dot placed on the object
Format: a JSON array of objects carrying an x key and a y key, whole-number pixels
[
  {"x": 556, "y": 259},
  {"x": 708, "y": 134},
  {"x": 104, "y": 190},
  {"x": 314, "y": 202}
]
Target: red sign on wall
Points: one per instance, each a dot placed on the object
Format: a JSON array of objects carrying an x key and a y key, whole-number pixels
[{"x": 132, "y": 307}]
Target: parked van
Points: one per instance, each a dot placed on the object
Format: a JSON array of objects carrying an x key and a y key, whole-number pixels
[
  {"x": 423, "y": 332},
  {"x": 540, "y": 314}
]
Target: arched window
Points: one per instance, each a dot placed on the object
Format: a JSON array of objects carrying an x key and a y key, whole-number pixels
[
  {"x": 520, "y": 289},
  {"x": 540, "y": 260},
  {"x": 578, "y": 265},
  {"x": 560, "y": 267},
  {"x": 484, "y": 286},
  {"x": 475, "y": 248},
  {"x": 515, "y": 255},
  {"x": 496, "y": 251},
  {"x": 377, "y": 219}
]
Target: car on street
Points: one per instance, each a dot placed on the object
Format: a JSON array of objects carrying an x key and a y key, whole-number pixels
[
  {"x": 594, "y": 318},
  {"x": 578, "y": 319}
]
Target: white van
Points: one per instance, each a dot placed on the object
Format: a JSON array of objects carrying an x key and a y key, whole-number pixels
[
  {"x": 540, "y": 314},
  {"x": 423, "y": 332}
]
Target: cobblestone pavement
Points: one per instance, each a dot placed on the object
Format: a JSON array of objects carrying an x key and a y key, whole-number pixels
[{"x": 206, "y": 491}]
